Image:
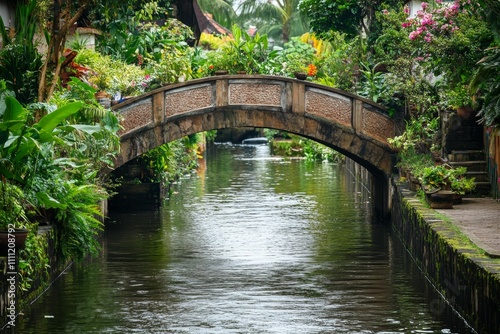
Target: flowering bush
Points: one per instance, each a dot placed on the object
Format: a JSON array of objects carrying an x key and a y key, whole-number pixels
[
  {"x": 435, "y": 21},
  {"x": 432, "y": 56},
  {"x": 449, "y": 39},
  {"x": 311, "y": 70},
  {"x": 295, "y": 56}
]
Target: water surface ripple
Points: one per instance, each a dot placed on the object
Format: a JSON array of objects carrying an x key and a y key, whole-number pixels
[{"x": 253, "y": 244}]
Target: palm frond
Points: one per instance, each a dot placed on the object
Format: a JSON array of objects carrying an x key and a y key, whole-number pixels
[{"x": 222, "y": 11}]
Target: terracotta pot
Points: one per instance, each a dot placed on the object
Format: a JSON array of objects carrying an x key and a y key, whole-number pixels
[
  {"x": 301, "y": 75},
  {"x": 380, "y": 68},
  {"x": 466, "y": 113},
  {"x": 442, "y": 199},
  {"x": 101, "y": 94}
]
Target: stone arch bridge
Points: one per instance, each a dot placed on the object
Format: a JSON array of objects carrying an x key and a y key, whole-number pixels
[{"x": 353, "y": 126}]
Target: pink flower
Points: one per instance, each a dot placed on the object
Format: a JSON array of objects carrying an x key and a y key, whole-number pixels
[
  {"x": 413, "y": 35},
  {"x": 385, "y": 12},
  {"x": 427, "y": 20},
  {"x": 425, "y": 5},
  {"x": 407, "y": 10}
]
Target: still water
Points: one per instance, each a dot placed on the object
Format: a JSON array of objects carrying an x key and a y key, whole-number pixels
[{"x": 250, "y": 244}]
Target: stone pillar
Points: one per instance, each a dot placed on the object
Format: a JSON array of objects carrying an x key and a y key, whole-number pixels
[
  {"x": 357, "y": 116},
  {"x": 221, "y": 93},
  {"x": 298, "y": 98}
]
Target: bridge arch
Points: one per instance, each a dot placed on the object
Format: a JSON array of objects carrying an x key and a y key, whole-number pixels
[{"x": 352, "y": 125}]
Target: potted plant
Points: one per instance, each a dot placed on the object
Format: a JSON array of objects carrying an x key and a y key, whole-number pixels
[
  {"x": 218, "y": 62},
  {"x": 102, "y": 82},
  {"x": 442, "y": 182},
  {"x": 436, "y": 183},
  {"x": 461, "y": 186},
  {"x": 412, "y": 164},
  {"x": 296, "y": 66},
  {"x": 461, "y": 100}
]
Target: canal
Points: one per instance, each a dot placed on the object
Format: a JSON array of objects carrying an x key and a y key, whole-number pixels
[{"x": 249, "y": 244}]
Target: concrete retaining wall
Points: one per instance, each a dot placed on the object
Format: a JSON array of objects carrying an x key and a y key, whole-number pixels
[{"x": 469, "y": 279}]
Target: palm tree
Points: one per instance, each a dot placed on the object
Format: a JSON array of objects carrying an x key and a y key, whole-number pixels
[
  {"x": 279, "y": 19},
  {"x": 222, "y": 11}
]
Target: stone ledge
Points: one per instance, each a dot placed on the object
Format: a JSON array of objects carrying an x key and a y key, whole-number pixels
[{"x": 468, "y": 278}]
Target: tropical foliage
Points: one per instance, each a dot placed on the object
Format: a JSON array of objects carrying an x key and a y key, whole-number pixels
[
  {"x": 290, "y": 145},
  {"x": 170, "y": 161},
  {"x": 350, "y": 17},
  {"x": 20, "y": 61},
  {"x": 49, "y": 175},
  {"x": 486, "y": 80},
  {"x": 280, "y": 20}
]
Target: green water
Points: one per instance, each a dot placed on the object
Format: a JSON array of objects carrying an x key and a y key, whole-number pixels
[{"x": 250, "y": 244}]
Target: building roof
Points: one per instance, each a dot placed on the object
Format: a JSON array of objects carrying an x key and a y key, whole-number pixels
[{"x": 213, "y": 27}]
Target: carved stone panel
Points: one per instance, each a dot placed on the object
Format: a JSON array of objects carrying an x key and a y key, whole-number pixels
[
  {"x": 188, "y": 99},
  {"x": 263, "y": 94},
  {"x": 329, "y": 105},
  {"x": 137, "y": 115},
  {"x": 377, "y": 125}
]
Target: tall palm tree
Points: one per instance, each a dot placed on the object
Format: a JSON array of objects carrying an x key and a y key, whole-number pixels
[
  {"x": 222, "y": 11},
  {"x": 279, "y": 19}
]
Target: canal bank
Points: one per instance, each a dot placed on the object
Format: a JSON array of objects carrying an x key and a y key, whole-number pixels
[{"x": 457, "y": 250}]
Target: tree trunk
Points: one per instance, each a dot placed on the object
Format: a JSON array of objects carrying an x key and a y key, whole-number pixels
[{"x": 62, "y": 14}]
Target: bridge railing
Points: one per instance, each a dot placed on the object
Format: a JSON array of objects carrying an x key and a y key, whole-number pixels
[{"x": 271, "y": 93}]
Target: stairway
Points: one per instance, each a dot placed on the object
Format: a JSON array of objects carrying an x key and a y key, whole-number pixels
[{"x": 476, "y": 164}]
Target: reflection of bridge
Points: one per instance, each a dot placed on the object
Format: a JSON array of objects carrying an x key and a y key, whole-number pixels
[{"x": 353, "y": 126}]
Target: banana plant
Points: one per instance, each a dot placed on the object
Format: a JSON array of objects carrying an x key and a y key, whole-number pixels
[{"x": 19, "y": 139}]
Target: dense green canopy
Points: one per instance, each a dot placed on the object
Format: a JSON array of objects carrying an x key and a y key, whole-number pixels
[{"x": 346, "y": 16}]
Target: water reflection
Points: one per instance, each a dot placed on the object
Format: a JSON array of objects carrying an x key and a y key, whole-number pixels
[{"x": 253, "y": 245}]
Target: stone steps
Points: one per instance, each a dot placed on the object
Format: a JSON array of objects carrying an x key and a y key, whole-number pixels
[
  {"x": 476, "y": 164},
  {"x": 472, "y": 166},
  {"x": 470, "y": 155},
  {"x": 479, "y": 176}
]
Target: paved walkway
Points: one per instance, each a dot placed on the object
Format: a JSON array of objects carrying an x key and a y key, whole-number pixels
[{"x": 479, "y": 219}]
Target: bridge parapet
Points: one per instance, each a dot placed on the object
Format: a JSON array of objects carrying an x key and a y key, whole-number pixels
[
  {"x": 352, "y": 125},
  {"x": 256, "y": 92},
  {"x": 349, "y": 123}
]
